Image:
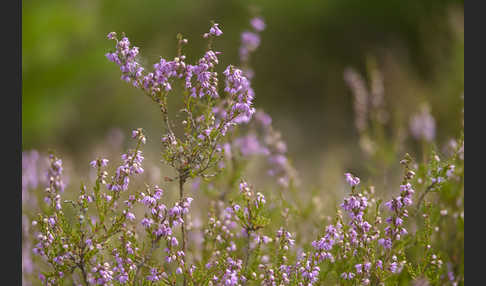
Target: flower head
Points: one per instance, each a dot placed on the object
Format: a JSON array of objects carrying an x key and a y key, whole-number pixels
[
  {"x": 258, "y": 24},
  {"x": 352, "y": 180}
]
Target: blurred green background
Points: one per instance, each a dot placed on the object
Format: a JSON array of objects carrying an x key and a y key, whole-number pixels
[{"x": 73, "y": 96}]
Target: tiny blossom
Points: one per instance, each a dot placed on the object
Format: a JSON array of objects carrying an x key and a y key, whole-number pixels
[
  {"x": 123, "y": 278},
  {"x": 154, "y": 275},
  {"x": 258, "y": 24},
  {"x": 244, "y": 188},
  {"x": 111, "y": 35},
  {"x": 99, "y": 163},
  {"x": 450, "y": 171},
  {"x": 352, "y": 180},
  {"x": 147, "y": 222},
  {"x": 130, "y": 216},
  {"x": 260, "y": 200},
  {"x": 386, "y": 243},
  {"x": 379, "y": 264},
  {"x": 394, "y": 267},
  {"x": 174, "y": 241},
  {"x": 367, "y": 266},
  {"x": 214, "y": 31}
]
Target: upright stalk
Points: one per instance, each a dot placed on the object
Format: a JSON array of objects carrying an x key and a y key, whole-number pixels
[
  {"x": 247, "y": 251},
  {"x": 84, "y": 276},
  {"x": 182, "y": 180}
]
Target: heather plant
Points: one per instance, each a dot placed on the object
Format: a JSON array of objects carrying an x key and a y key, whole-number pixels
[{"x": 113, "y": 231}]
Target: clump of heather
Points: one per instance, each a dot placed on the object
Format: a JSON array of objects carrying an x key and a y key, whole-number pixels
[
  {"x": 372, "y": 118},
  {"x": 116, "y": 229},
  {"x": 263, "y": 140}
]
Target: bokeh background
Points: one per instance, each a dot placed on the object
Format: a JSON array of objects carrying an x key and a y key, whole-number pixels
[{"x": 73, "y": 97}]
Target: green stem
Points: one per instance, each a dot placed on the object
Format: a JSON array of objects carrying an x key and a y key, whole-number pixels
[{"x": 182, "y": 180}]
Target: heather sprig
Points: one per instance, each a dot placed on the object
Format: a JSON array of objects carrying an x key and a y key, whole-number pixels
[
  {"x": 199, "y": 148},
  {"x": 250, "y": 41},
  {"x": 69, "y": 245}
]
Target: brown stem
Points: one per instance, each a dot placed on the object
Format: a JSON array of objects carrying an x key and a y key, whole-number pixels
[{"x": 85, "y": 277}]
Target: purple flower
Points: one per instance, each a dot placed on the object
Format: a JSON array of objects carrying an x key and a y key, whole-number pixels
[
  {"x": 153, "y": 275},
  {"x": 213, "y": 31},
  {"x": 264, "y": 119},
  {"x": 132, "y": 164},
  {"x": 130, "y": 216},
  {"x": 104, "y": 162},
  {"x": 450, "y": 275},
  {"x": 206, "y": 79},
  {"x": 173, "y": 241},
  {"x": 379, "y": 264},
  {"x": 148, "y": 200},
  {"x": 124, "y": 56},
  {"x": 249, "y": 145},
  {"x": 250, "y": 40},
  {"x": 249, "y": 43},
  {"x": 147, "y": 222},
  {"x": 398, "y": 221},
  {"x": 258, "y": 24},
  {"x": 405, "y": 187},
  {"x": 422, "y": 125},
  {"x": 99, "y": 162},
  {"x": 260, "y": 199},
  {"x": 158, "y": 192},
  {"x": 93, "y": 163},
  {"x": 450, "y": 171},
  {"x": 386, "y": 243},
  {"x": 367, "y": 266},
  {"x": 238, "y": 86},
  {"x": 123, "y": 278},
  {"x": 245, "y": 188},
  {"x": 278, "y": 160},
  {"x": 111, "y": 35},
  {"x": 352, "y": 180}
]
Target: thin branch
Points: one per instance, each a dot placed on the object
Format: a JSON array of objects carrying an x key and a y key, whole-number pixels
[{"x": 429, "y": 188}]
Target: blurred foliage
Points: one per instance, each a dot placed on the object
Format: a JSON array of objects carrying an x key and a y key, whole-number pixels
[{"x": 72, "y": 96}]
